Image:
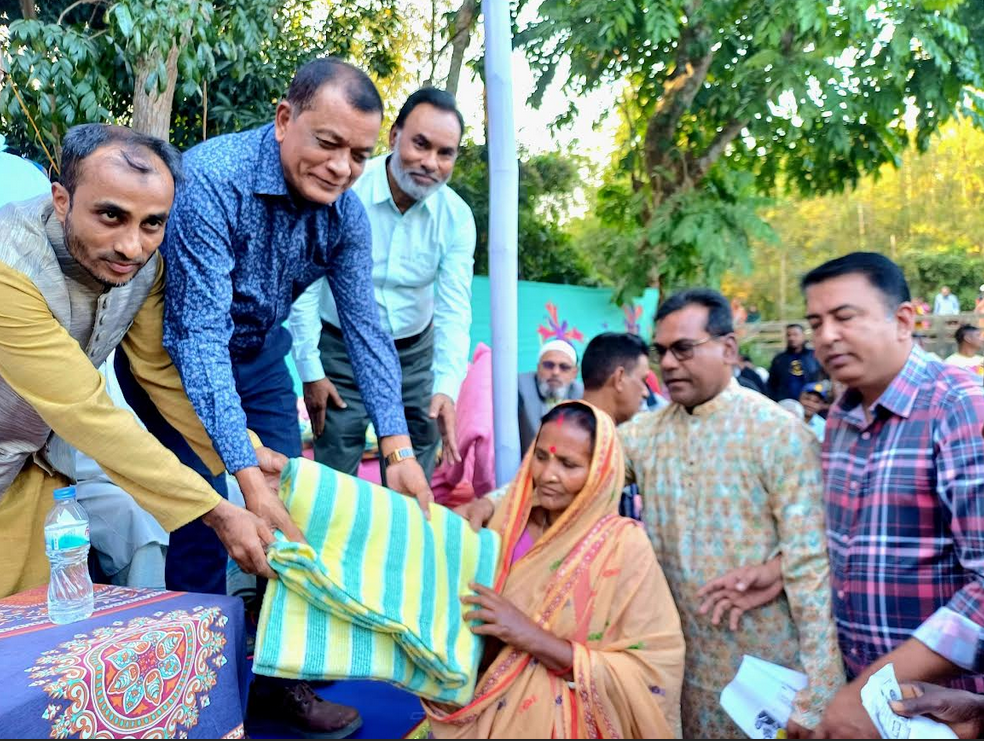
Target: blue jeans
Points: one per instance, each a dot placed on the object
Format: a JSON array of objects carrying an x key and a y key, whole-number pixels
[{"x": 196, "y": 559}]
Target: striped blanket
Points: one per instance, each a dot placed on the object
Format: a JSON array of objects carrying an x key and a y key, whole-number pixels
[{"x": 376, "y": 594}]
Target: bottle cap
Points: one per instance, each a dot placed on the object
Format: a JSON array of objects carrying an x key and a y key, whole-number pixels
[{"x": 66, "y": 493}]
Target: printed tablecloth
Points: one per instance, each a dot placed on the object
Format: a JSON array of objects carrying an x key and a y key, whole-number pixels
[{"x": 146, "y": 664}]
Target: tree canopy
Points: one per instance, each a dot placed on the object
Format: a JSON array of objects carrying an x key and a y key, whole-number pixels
[{"x": 726, "y": 100}]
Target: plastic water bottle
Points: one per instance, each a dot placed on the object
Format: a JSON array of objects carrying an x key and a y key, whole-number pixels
[{"x": 66, "y": 541}]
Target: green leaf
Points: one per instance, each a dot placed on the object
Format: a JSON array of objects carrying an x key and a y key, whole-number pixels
[{"x": 123, "y": 19}]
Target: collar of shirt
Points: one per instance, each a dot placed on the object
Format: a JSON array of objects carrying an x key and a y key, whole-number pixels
[
  {"x": 898, "y": 399},
  {"x": 719, "y": 403},
  {"x": 379, "y": 186}
]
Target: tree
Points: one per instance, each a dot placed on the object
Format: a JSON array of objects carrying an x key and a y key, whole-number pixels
[
  {"x": 150, "y": 63},
  {"x": 728, "y": 98},
  {"x": 546, "y": 182},
  {"x": 925, "y": 214}
]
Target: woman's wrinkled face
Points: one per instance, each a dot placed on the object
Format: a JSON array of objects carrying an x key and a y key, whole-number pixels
[{"x": 561, "y": 459}]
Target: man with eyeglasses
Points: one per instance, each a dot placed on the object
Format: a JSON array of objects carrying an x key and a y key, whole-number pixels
[
  {"x": 729, "y": 480},
  {"x": 553, "y": 381}
]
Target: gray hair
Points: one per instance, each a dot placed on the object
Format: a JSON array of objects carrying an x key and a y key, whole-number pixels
[{"x": 81, "y": 141}]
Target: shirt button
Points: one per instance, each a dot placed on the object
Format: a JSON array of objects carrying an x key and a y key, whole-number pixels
[
  {"x": 854, "y": 486},
  {"x": 866, "y": 436},
  {"x": 840, "y": 594}
]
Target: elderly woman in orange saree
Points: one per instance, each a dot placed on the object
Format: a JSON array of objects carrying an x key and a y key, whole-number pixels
[{"x": 583, "y": 638}]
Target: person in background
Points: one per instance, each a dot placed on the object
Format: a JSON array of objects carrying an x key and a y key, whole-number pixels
[
  {"x": 945, "y": 303},
  {"x": 968, "y": 354},
  {"x": 903, "y": 475},
  {"x": 754, "y": 315},
  {"x": 614, "y": 370},
  {"x": 919, "y": 340},
  {"x": 814, "y": 400},
  {"x": 79, "y": 276},
  {"x": 553, "y": 381},
  {"x": 20, "y": 179},
  {"x": 793, "y": 407},
  {"x": 728, "y": 479},
  {"x": 582, "y": 637},
  {"x": 130, "y": 545},
  {"x": 423, "y": 255},
  {"x": 748, "y": 376},
  {"x": 793, "y": 368}
]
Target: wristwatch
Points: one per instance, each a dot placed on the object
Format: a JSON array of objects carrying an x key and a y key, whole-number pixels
[{"x": 400, "y": 454}]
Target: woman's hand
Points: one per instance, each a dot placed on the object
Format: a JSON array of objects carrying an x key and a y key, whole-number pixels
[{"x": 501, "y": 619}]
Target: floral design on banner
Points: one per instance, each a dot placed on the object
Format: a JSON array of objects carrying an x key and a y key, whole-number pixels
[
  {"x": 632, "y": 316},
  {"x": 146, "y": 678},
  {"x": 558, "y": 330}
]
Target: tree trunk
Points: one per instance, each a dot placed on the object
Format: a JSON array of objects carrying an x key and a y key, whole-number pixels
[
  {"x": 28, "y": 10},
  {"x": 464, "y": 19},
  {"x": 152, "y": 112}
]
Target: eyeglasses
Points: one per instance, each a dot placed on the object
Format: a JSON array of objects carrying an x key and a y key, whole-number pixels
[
  {"x": 550, "y": 365},
  {"x": 681, "y": 349}
]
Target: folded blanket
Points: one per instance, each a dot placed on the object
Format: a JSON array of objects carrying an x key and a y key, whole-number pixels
[{"x": 376, "y": 594}]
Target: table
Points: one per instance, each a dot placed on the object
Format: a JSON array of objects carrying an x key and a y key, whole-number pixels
[{"x": 147, "y": 663}]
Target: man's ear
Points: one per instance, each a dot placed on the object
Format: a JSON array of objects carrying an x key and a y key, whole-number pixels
[
  {"x": 62, "y": 201},
  {"x": 905, "y": 316},
  {"x": 731, "y": 349},
  {"x": 617, "y": 379}
]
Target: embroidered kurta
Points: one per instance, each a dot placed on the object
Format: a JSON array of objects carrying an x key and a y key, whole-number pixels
[{"x": 728, "y": 485}]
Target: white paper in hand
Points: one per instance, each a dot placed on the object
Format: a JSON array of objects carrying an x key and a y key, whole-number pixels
[
  {"x": 883, "y": 688},
  {"x": 760, "y": 697}
]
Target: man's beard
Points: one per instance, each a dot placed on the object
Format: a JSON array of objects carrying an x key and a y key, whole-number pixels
[
  {"x": 77, "y": 249},
  {"x": 404, "y": 179},
  {"x": 548, "y": 392}
]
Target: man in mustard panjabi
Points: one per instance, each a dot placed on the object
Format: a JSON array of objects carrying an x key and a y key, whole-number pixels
[{"x": 79, "y": 275}]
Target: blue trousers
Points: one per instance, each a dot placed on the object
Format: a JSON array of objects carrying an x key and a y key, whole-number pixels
[{"x": 196, "y": 559}]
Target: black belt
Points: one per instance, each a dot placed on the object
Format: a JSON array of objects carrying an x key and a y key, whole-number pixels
[{"x": 401, "y": 344}]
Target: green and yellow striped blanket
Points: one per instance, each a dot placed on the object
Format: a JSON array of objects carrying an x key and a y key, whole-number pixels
[{"x": 376, "y": 594}]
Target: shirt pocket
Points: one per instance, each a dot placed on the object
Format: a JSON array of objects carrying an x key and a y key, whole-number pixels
[{"x": 419, "y": 265}]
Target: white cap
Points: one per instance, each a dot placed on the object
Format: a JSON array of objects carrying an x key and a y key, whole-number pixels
[{"x": 559, "y": 346}]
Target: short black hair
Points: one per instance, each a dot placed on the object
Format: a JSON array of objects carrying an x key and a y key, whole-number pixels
[
  {"x": 441, "y": 99},
  {"x": 606, "y": 352},
  {"x": 82, "y": 140},
  {"x": 881, "y": 273},
  {"x": 576, "y": 412},
  {"x": 796, "y": 325},
  {"x": 720, "y": 321},
  {"x": 359, "y": 90},
  {"x": 961, "y": 334}
]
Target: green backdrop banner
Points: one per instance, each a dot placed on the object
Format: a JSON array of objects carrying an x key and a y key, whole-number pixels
[{"x": 548, "y": 311}]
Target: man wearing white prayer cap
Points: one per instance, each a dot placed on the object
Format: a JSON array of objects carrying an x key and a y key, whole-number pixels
[{"x": 554, "y": 380}]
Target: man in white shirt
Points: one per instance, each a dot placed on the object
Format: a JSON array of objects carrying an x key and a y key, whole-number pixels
[
  {"x": 946, "y": 303},
  {"x": 968, "y": 354},
  {"x": 423, "y": 246}
]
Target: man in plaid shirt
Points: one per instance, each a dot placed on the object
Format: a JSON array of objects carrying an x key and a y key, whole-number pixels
[{"x": 903, "y": 469}]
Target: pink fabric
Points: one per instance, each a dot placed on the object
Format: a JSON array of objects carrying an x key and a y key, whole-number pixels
[
  {"x": 523, "y": 545},
  {"x": 475, "y": 475},
  {"x": 369, "y": 470}
]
